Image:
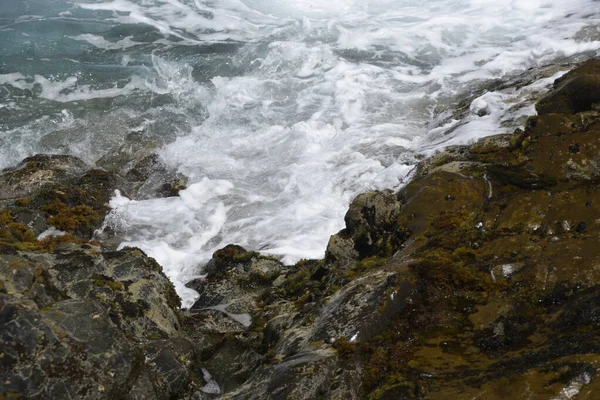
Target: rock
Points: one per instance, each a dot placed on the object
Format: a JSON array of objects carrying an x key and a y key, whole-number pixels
[
  {"x": 575, "y": 92},
  {"x": 341, "y": 251},
  {"x": 146, "y": 175},
  {"x": 301, "y": 377},
  {"x": 129, "y": 282},
  {"x": 371, "y": 228},
  {"x": 78, "y": 324},
  {"x": 50, "y": 353},
  {"x": 233, "y": 364},
  {"x": 235, "y": 277},
  {"x": 37, "y": 172},
  {"x": 362, "y": 309},
  {"x": 60, "y": 193}
]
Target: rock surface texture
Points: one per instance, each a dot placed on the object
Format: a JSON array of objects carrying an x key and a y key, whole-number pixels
[{"x": 478, "y": 280}]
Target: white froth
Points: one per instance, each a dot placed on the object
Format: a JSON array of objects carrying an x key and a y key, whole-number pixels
[
  {"x": 52, "y": 231},
  {"x": 321, "y": 101},
  {"x": 101, "y": 43},
  {"x": 492, "y": 113},
  {"x": 68, "y": 90}
]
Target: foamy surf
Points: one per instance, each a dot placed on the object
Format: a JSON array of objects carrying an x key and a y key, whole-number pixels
[{"x": 278, "y": 112}]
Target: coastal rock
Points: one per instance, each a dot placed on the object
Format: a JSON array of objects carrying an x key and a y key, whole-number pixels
[
  {"x": 371, "y": 229},
  {"x": 235, "y": 277},
  {"x": 302, "y": 376},
  {"x": 478, "y": 279},
  {"x": 39, "y": 171},
  {"x": 575, "y": 92},
  {"x": 503, "y": 244},
  {"x": 228, "y": 320},
  {"x": 480, "y": 275},
  {"x": 57, "y": 199},
  {"x": 78, "y": 324}
]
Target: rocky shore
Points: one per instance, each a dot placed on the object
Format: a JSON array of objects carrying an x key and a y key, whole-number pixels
[{"x": 478, "y": 280}]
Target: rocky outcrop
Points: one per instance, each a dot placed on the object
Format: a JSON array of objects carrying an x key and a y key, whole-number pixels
[
  {"x": 75, "y": 321},
  {"x": 55, "y": 199},
  {"x": 78, "y": 323},
  {"x": 574, "y": 93},
  {"x": 479, "y": 279}
]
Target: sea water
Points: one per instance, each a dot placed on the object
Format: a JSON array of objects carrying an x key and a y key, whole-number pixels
[{"x": 278, "y": 112}]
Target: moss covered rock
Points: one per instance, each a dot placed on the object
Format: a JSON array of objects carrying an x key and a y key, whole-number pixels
[
  {"x": 37, "y": 172},
  {"x": 59, "y": 192}
]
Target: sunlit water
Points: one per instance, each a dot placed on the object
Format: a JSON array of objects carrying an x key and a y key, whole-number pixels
[{"x": 279, "y": 112}]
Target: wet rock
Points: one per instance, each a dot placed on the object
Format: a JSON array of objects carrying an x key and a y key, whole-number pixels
[
  {"x": 53, "y": 194},
  {"x": 303, "y": 377},
  {"x": 37, "y": 172},
  {"x": 371, "y": 227},
  {"x": 362, "y": 309},
  {"x": 144, "y": 172},
  {"x": 78, "y": 324},
  {"x": 341, "y": 251},
  {"x": 234, "y": 279},
  {"x": 575, "y": 92},
  {"x": 233, "y": 364},
  {"x": 484, "y": 304}
]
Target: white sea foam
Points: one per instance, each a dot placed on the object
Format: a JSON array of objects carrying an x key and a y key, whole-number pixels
[
  {"x": 192, "y": 22},
  {"x": 492, "y": 113},
  {"x": 52, "y": 231},
  {"x": 318, "y": 102},
  {"x": 68, "y": 90},
  {"x": 101, "y": 43},
  {"x": 574, "y": 387}
]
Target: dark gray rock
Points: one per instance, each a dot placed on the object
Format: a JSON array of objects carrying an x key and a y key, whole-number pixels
[
  {"x": 371, "y": 229},
  {"x": 78, "y": 324}
]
